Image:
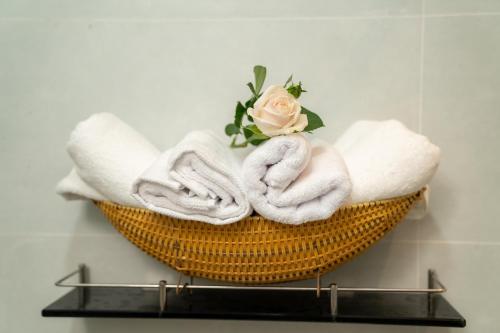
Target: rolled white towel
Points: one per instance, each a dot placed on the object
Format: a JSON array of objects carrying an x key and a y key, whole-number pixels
[
  {"x": 199, "y": 179},
  {"x": 385, "y": 159},
  {"x": 109, "y": 155},
  {"x": 72, "y": 187},
  {"x": 291, "y": 181}
]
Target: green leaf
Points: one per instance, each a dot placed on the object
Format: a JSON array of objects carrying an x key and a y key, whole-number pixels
[
  {"x": 250, "y": 102},
  {"x": 232, "y": 129},
  {"x": 288, "y": 81},
  {"x": 238, "y": 114},
  {"x": 253, "y": 130},
  {"x": 252, "y": 89},
  {"x": 295, "y": 90},
  {"x": 256, "y": 140},
  {"x": 258, "y": 136},
  {"x": 247, "y": 132},
  {"x": 313, "y": 120},
  {"x": 254, "y": 135},
  {"x": 260, "y": 77}
]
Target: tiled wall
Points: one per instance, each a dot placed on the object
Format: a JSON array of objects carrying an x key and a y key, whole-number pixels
[{"x": 170, "y": 66}]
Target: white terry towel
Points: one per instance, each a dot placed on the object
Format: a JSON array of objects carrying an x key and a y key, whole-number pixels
[
  {"x": 199, "y": 179},
  {"x": 291, "y": 181},
  {"x": 109, "y": 155},
  {"x": 72, "y": 187},
  {"x": 385, "y": 159}
]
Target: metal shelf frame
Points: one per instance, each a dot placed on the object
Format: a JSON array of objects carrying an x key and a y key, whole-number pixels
[{"x": 434, "y": 287}]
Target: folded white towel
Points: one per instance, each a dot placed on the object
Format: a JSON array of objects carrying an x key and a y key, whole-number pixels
[
  {"x": 199, "y": 179},
  {"x": 109, "y": 156},
  {"x": 385, "y": 159},
  {"x": 72, "y": 187},
  {"x": 291, "y": 181}
]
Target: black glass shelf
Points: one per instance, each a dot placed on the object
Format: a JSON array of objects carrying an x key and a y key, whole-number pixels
[
  {"x": 362, "y": 305},
  {"x": 353, "y": 307}
]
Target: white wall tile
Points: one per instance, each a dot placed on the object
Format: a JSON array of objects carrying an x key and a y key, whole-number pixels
[
  {"x": 461, "y": 115},
  {"x": 230, "y": 326},
  {"x": 461, "y": 6},
  {"x": 205, "y": 8}
]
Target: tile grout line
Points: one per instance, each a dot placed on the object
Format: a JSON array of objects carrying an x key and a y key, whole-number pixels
[
  {"x": 243, "y": 19},
  {"x": 472, "y": 14},
  {"x": 420, "y": 109},
  {"x": 208, "y": 19},
  {"x": 421, "y": 70},
  {"x": 444, "y": 242}
]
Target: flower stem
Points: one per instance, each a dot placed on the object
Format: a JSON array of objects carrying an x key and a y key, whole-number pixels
[{"x": 238, "y": 145}]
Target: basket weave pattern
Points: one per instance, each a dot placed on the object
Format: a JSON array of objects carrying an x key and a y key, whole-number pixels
[{"x": 256, "y": 250}]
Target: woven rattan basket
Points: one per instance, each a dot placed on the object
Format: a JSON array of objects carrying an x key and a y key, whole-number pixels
[{"x": 256, "y": 250}]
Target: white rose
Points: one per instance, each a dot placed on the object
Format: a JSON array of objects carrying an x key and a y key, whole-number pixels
[{"x": 277, "y": 112}]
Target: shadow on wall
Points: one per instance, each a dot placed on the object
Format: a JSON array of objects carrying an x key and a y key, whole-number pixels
[
  {"x": 444, "y": 202},
  {"x": 229, "y": 326},
  {"x": 90, "y": 218}
]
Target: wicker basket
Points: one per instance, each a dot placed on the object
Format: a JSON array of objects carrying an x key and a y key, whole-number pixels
[{"x": 256, "y": 250}]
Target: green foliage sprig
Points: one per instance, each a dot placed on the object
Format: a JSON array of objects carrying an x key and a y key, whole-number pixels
[{"x": 252, "y": 134}]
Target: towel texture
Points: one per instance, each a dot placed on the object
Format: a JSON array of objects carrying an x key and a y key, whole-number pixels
[
  {"x": 72, "y": 187},
  {"x": 385, "y": 159},
  {"x": 199, "y": 179},
  {"x": 109, "y": 156},
  {"x": 291, "y": 181}
]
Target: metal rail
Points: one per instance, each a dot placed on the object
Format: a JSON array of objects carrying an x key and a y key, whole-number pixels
[
  {"x": 434, "y": 287},
  {"x": 434, "y": 281}
]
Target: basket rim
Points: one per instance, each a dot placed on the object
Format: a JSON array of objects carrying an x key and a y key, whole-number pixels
[{"x": 257, "y": 217}]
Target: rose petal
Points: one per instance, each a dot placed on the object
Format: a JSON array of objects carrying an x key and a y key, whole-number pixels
[
  {"x": 257, "y": 115},
  {"x": 298, "y": 127},
  {"x": 277, "y": 112},
  {"x": 296, "y": 115},
  {"x": 274, "y": 116},
  {"x": 266, "y": 128},
  {"x": 271, "y": 90}
]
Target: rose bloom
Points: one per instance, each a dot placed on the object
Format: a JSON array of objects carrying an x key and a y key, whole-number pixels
[{"x": 277, "y": 112}]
